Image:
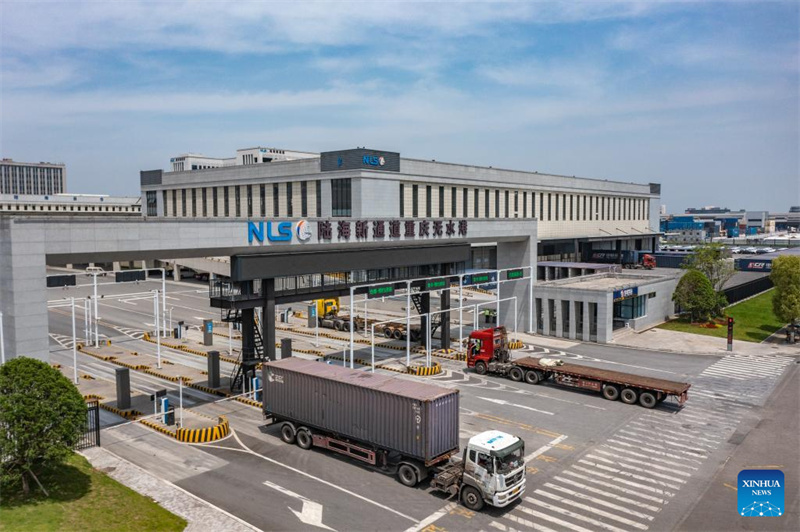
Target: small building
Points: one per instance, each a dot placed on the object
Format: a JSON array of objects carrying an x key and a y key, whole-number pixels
[
  {"x": 593, "y": 307},
  {"x": 32, "y": 178}
]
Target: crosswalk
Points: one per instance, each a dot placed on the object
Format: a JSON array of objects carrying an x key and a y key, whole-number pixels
[
  {"x": 133, "y": 333},
  {"x": 63, "y": 340},
  {"x": 626, "y": 481}
]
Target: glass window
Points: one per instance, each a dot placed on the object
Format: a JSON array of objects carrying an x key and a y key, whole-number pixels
[
  {"x": 237, "y": 195},
  {"x": 276, "y": 194},
  {"x": 414, "y": 201},
  {"x": 289, "y": 206},
  {"x": 183, "y": 202},
  {"x": 341, "y": 196},
  {"x": 402, "y": 201},
  {"x": 475, "y": 202},
  {"x": 516, "y": 203},
  {"x": 205, "y": 202},
  {"x": 226, "y": 196},
  {"x": 558, "y": 206},
  {"x": 486, "y": 202},
  {"x": 453, "y": 202},
  {"x": 164, "y": 201},
  {"x": 497, "y": 204},
  {"x": 303, "y": 198},
  {"x": 249, "y": 201},
  {"x": 506, "y": 203},
  {"x": 428, "y": 200},
  {"x": 441, "y": 202},
  {"x": 152, "y": 208},
  {"x": 465, "y": 202},
  {"x": 319, "y": 199},
  {"x": 174, "y": 203},
  {"x": 629, "y": 309},
  {"x": 262, "y": 192}
]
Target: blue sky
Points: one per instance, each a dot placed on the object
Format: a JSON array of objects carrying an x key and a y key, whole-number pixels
[{"x": 701, "y": 97}]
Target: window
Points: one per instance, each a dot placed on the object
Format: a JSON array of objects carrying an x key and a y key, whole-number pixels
[
  {"x": 289, "y": 206},
  {"x": 226, "y": 200},
  {"x": 249, "y": 201},
  {"x": 276, "y": 202},
  {"x": 558, "y": 206},
  {"x": 570, "y": 208},
  {"x": 516, "y": 204},
  {"x": 584, "y": 207},
  {"x": 414, "y": 201},
  {"x": 428, "y": 199},
  {"x": 524, "y": 204},
  {"x": 174, "y": 203},
  {"x": 506, "y": 203},
  {"x": 549, "y": 207},
  {"x": 303, "y": 198},
  {"x": 164, "y": 201},
  {"x": 497, "y": 204},
  {"x": 475, "y": 201},
  {"x": 237, "y": 194},
  {"x": 453, "y": 202},
  {"x": 215, "y": 212},
  {"x": 486, "y": 203},
  {"x": 402, "y": 201},
  {"x": 205, "y": 202},
  {"x": 152, "y": 208},
  {"x": 341, "y": 196},
  {"x": 441, "y": 202},
  {"x": 263, "y": 197},
  {"x": 630, "y": 309},
  {"x": 319, "y": 199},
  {"x": 602, "y": 208},
  {"x": 183, "y": 202},
  {"x": 564, "y": 207}
]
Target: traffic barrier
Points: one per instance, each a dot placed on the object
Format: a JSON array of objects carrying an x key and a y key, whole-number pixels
[
  {"x": 92, "y": 397},
  {"x": 423, "y": 371},
  {"x": 127, "y": 414},
  {"x": 158, "y": 427},
  {"x": 251, "y": 402},
  {"x": 189, "y": 350},
  {"x": 516, "y": 344},
  {"x": 212, "y": 391},
  {"x": 204, "y": 435},
  {"x": 449, "y": 354}
]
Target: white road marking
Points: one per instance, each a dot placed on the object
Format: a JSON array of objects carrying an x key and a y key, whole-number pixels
[
  {"x": 601, "y": 502},
  {"x": 504, "y": 402},
  {"x": 628, "y": 474},
  {"x": 246, "y": 449},
  {"x": 544, "y": 448},
  {"x": 647, "y": 457},
  {"x": 603, "y": 513},
  {"x": 312, "y": 511},
  {"x": 605, "y": 493},
  {"x": 647, "y": 448},
  {"x": 432, "y": 518},
  {"x": 667, "y": 439},
  {"x": 520, "y": 521},
  {"x": 637, "y": 492},
  {"x": 642, "y": 462},
  {"x": 594, "y": 522},
  {"x": 640, "y": 470},
  {"x": 689, "y": 450},
  {"x": 552, "y": 519}
]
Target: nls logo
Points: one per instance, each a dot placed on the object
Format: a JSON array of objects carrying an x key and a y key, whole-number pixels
[
  {"x": 373, "y": 160},
  {"x": 256, "y": 231},
  {"x": 760, "y": 493}
]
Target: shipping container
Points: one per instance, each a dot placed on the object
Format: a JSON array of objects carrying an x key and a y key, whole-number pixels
[
  {"x": 670, "y": 259},
  {"x": 414, "y": 419}
]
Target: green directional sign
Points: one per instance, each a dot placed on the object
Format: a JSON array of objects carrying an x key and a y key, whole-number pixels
[
  {"x": 436, "y": 284},
  {"x": 479, "y": 278},
  {"x": 383, "y": 290},
  {"x": 515, "y": 274}
]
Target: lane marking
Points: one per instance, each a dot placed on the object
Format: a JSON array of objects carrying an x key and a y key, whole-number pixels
[
  {"x": 433, "y": 517},
  {"x": 312, "y": 511},
  {"x": 601, "y": 502},
  {"x": 246, "y": 449},
  {"x": 552, "y": 519},
  {"x": 604, "y": 493},
  {"x": 602, "y": 513},
  {"x": 635, "y": 493},
  {"x": 640, "y": 470},
  {"x": 628, "y": 474},
  {"x": 544, "y": 448},
  {"x": 504, "y": 402},
  {"x": 594, "y": 522}
]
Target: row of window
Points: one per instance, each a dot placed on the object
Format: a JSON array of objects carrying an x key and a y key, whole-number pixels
[
  {"x": 464, "y": 202},
  {"x": 15, "y": 207},
  {"x": 278, "y": 199},
  {"x": 37, "y": 183}
]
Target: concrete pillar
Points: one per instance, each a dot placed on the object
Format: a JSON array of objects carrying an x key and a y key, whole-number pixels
[
  {"x": 286, "y": 348},
  {"x": 572, "y": 319},
  {"x": 514, "y": 255},
  {"x": 123, "y": 378},
  {"x": 213, "y": 369},
  {"x": 268, "y": 321},
  {"x": 115, "y": 266},
  {"x": 559, "y": 319},
  {"x": 176, "y": 272},
  {"x": 586, "y": 322},
  {"x": 605, "y": 319},
  {"x": 69, "y": 266},
  {"x": 445, "y": 327},
  {"x": 326, "y": 203},
  {"x": 23, "y": 294},
  {"x": 248, "y": 334},
  {"x": 545, "y": 316}
]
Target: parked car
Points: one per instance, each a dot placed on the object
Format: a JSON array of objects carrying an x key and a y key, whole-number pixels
[
  {"x": 736, "y": 250},
  {"x": 750, "y": 250},
  {"x": 96, "y": 270}
]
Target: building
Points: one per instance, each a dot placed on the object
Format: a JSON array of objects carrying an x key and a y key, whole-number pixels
[
  {"x": 710, "y": 209},
  {"x": 575, "y": 215},
  {"x": 246, "y": 156},
  {"x": 70, "y": 204},
  {"x": 32, "y": 178}
]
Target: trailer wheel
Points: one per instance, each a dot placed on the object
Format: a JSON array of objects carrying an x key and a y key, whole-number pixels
[
  {"x": 647, "y": 400},
  {"x": 515, "y": 374},
  {"x": 304, "y": 439},
  {"x": 471, "y": 498},
  {"x": 397, "y": 334},
  {"x": 533, "y": 377},
  {"x": 337, "y": 325},
  {"x": 287, "y": 433},
  {"x": 407, "y": 475},
  {"x": 346, "y": 326},
  {"x": 610, "y": 392},
  {"x": 415, "y": 336},
  {"x": 387, "y": 332},
  {"x": 629, "y": 396},
  {"x": 480, "y": 367}
]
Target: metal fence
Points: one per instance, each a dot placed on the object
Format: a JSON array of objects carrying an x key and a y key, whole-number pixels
[
  {"x": 751, "y": 288},
  {"x": 91, "y": 436}
]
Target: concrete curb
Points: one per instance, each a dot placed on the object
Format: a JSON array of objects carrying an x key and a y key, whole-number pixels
[
  {"x": 423, "y": 371},
  {"x": 205, "y": 435}
]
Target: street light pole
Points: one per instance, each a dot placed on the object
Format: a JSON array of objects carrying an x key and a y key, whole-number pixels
[
  {"x": 158, "y": 332},
  {"x": 74, "y": 345},
  {"x": 408, "y": 323},
  {"x": 352, "y": 339},
  {"x": 2, "y": 343},
  {"x": 96, "y": 315},
  {"x": 163, "y": 300},
  {"x": 180, "y": 397}
]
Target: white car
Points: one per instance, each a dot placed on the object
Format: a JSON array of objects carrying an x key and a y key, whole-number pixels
[
  {"x": 95, "y": 270},
  {"x": 750, "y": 250},
  {"x": 736, "y": 250}
]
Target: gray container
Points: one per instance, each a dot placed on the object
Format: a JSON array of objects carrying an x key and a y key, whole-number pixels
[
  {"x": 415, "y": 419},
  {"x": 670, "y": 260}
]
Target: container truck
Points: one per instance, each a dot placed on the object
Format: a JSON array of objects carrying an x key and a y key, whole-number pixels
[
  {"x": 628, "y": 258},
  {"x": 488, "y": 352},
  {"x": 328, "y": 317},
  {"x": 401, "y": 427}
]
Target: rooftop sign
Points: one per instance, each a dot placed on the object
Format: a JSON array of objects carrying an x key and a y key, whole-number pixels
[{"x": 360, "y": 158}]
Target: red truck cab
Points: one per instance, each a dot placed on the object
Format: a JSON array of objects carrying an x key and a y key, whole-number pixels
[
  {"x": 487, "y": 345},
  {"x": 648, "y": 261}
]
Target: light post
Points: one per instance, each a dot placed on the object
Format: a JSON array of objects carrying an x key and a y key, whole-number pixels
[
  {"x": 2, "y": 343},
  {"x": 74, "y": 344},
  {"x": 158, "y": 332},
  {"x": 352, "y": 339},
  {"x": 180, "y": 397},
  {"x": 460, "y": 311},
  {"x": 170, "y": 319},
  {"x": 96, "y": 315},
  {"x": 408, "y": 323}
]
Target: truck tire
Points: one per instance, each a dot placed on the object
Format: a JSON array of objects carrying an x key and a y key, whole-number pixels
[
  {"x": 387, "y": 332},
  {"x": 407, "y": 475},
  {"x": 515, "y": 374},
  {"x": 471, "y": 498},
  {"x": 629, "y": 396},
  {"x": 304, "y": 439},
  {"x": 480, "y": 367},
  {"x": 346, "y": 326},
  {"x": 287, "y": 433},
  {"x": 611, "y": 392},
  {"x": 397, "y": 334},
  {"x": 337, "y": 325},
  {"x": 533, "y": 377},
  {"x": 647, "y": 400}
]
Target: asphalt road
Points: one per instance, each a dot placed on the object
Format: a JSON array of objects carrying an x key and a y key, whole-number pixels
[{"x": 596, "y": 465}]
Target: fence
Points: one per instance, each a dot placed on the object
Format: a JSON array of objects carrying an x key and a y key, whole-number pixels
[
  {"x": 751, "y": 288},
  {"x": 91, "y": 436}
]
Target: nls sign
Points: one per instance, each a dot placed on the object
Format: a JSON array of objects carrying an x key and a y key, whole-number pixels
[{"x": 277, "y": 231}]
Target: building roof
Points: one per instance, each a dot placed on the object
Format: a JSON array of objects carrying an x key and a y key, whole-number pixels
[{"x": 608, "y": 282}]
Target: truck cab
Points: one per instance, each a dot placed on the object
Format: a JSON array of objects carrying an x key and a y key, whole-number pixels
[
  {"x": 494, "y": 470},
  {"x": 486, "y": 347}
]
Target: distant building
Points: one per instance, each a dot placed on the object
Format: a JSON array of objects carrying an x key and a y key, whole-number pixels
[
  {"x": 662, "y": 211},
  {"x": 71, "y": 204},
  {"x": 32, "y": 178},
  {"x": 710, "y": 209},
  {"x": 244, "y": 157}
]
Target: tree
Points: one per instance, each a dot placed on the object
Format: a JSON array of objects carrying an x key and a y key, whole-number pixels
[
  {"x": 695, "y": 295},
  {"x": 711, "y": 261},
  {"x": 42, "y": 416},
  {"x": 786, "y": 278}
]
